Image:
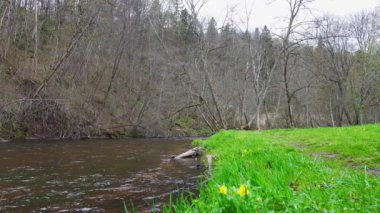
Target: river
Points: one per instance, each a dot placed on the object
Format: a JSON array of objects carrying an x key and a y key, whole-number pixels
[{"x": 92, "y": 175}]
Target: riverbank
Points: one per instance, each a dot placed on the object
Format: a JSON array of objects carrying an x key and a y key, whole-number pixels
[{"x": 296, "y": 170}]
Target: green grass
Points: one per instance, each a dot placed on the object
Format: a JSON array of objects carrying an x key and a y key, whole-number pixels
[{"x": 284, "y": 173}]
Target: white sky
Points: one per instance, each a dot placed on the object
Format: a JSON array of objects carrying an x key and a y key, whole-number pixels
[{"x": 272, "y": 14}]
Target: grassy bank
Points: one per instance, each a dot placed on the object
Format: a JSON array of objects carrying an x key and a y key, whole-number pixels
[{"x": 299, "y": 170}]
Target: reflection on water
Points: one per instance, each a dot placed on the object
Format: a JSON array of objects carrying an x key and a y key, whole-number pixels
[{"x": 92, "y": 176}]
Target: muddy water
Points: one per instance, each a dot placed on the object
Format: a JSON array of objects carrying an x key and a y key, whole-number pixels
[{"x": 93, "y": 176}]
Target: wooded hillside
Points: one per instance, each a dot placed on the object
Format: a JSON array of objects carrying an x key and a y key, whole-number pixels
[{"x": 79, "y": 68}]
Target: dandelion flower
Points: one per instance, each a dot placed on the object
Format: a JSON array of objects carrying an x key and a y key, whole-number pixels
[
  {"x": 223, "y": 189},
  {"x": 243, "y": 190}
]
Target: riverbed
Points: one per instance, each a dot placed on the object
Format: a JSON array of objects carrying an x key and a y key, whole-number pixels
[{"x": 93, "y": 175}]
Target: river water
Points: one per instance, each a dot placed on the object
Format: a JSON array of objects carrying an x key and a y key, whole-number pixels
[{"x": 93, "y": 175}]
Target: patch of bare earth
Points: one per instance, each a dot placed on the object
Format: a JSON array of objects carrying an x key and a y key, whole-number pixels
[
  {"x": 374, "y": 171},
  {"x": 325, "y": 155},
  {"x": 300, "y": 145}
]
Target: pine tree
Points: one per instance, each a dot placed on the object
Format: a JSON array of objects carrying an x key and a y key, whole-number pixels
[{"x": 212, "y": 32}]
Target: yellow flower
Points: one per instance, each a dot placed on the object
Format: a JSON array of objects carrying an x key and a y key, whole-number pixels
[
  {"x": 223, "y": 189},
  {"x": 243, "y": 190}
]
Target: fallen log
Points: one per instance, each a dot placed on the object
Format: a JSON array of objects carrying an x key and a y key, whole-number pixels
[
  {"x": 189, "y": 154},
  {"x": 3, "y": 140}
]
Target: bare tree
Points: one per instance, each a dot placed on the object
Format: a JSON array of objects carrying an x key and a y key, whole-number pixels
[
  {"x": 339, "y": 58},
  {"x": 289, "y": 48}
]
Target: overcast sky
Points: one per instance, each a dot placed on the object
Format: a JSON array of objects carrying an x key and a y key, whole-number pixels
[{"x": 272, "y": 14}]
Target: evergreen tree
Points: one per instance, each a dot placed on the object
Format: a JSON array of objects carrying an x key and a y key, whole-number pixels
[
  {"x": 212, "y": 32},
  {"x": 267, "y": 46},
  {"x": 186, "y": 30}
]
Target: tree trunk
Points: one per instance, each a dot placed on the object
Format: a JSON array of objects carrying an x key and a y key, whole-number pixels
[
  {"x": 332, "y": 113},
  {"x": 35, "y": 56}
]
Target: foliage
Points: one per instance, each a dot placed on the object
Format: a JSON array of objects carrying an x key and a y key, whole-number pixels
[{"x": 95, "y": 66}]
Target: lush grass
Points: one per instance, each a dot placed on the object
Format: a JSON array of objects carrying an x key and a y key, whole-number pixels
[
  {"x": 355, "y": 145},
  {"x": 280, "y": 174}
]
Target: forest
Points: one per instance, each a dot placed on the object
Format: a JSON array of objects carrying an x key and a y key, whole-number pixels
[{"x": 127, "y": 68}]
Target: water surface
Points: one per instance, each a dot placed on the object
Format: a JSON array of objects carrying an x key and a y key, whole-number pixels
[{"x": 92, "y": 175}]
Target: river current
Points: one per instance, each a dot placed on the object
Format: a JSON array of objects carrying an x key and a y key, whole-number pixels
[{"x": 93, "y": 175}]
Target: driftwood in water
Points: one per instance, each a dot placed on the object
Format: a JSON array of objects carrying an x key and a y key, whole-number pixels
[
  {"x": 3, "y": 140},
  {"x": 189, "y": 154}
]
